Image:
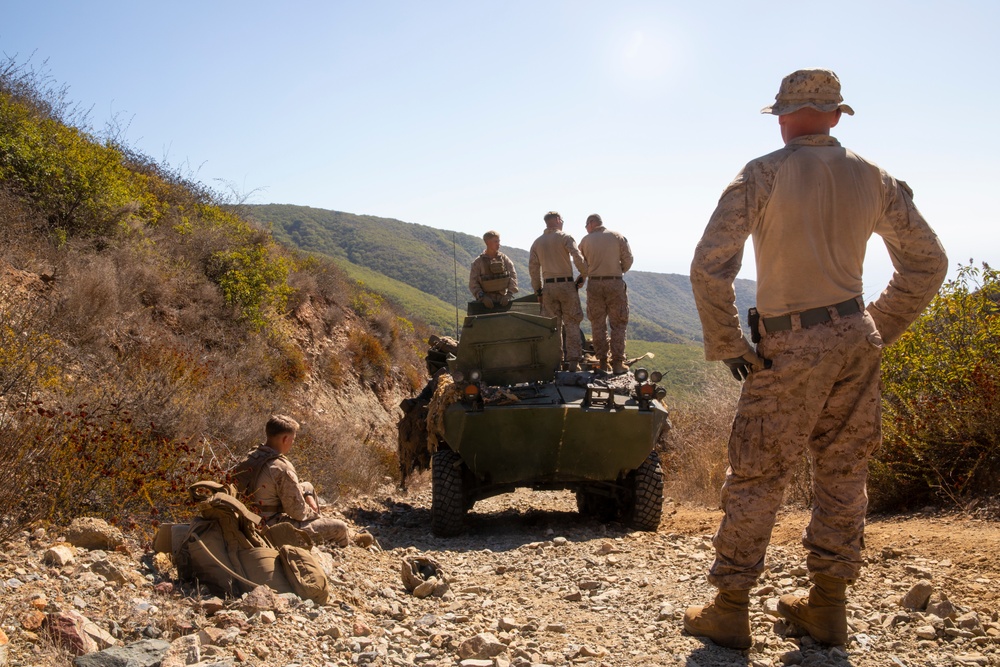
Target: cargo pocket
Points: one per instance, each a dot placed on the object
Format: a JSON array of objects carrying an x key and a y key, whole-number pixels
[{"x": 753, "y": 438}]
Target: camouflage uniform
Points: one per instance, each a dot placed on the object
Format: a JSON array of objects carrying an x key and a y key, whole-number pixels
[
  {"x": 608, "y": 257},
  {"x": 810, "y": 208},
  {"x": 486, "y": 268},
  {"x": 549, "y": 267},
  {"x": 282, "y": 497}
]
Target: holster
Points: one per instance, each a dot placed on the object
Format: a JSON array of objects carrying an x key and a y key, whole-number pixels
[{"x": 753, "y": 321}]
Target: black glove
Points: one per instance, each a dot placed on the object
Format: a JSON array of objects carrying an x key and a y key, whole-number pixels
[
  {"x": 741, "y": 367},
  {"x": 579, "y": 281}
]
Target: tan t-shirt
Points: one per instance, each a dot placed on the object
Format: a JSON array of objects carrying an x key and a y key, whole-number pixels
[
  {"x": 607, "y": 253},
  {"x": 550, "y": 255},
  {"x": 811, "y": 208},
  {"x": 279, "y": 485}
]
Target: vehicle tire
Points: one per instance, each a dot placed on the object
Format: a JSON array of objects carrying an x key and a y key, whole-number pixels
[
  {"x": 646, "y": 507},
  {"x": 447, "y": 494}
]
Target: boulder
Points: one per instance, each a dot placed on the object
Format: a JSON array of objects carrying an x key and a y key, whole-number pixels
[
  {"x": 92, "y": 533},
  {"x": 145, "y": 653}
]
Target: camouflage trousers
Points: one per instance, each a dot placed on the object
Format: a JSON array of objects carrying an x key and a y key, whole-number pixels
[
  {"x": 321, "y": 529},
  {"x": 607, "y": 305},
  {"x": 820, "y": 396},
  {"x": 562, "y": 300}
]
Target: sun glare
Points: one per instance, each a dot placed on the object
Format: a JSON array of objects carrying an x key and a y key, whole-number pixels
[{"x": 644, "y": 56}]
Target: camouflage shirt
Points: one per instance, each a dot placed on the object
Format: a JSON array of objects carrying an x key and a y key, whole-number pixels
[{"x": 811, "y": 208}]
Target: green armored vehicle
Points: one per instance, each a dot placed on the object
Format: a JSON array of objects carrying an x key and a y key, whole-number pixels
[{"x": 512, "y": 419}]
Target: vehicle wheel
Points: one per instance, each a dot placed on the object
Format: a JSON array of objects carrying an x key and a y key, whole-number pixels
[
  {"x": 647, "y": 495},
  {"x": 447, "y": 496}
]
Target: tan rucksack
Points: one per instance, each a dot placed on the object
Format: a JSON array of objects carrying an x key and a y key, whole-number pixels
[{"x": 223, "y": 549}]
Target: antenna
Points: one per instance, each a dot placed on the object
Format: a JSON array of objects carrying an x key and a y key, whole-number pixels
[{"x": 454, "y": 254}]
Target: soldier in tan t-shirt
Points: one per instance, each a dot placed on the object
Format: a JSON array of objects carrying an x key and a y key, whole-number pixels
[
  {"x": 551, "y": 275},
  {"x": 279, "y": 496},
  {"x": 811, "y": 383},
  {"x": 608, "y": 257}
]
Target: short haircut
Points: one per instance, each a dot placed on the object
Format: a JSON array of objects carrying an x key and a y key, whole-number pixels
[
  {"x": 491, "y": 235},
  {"x": 594, "y": 216},
  {"x": 551, "y": 215},
  {"x": 279, "y": 425}
]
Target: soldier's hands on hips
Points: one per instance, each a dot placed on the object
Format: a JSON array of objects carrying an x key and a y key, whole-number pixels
[{"x": 579, "y": 281}]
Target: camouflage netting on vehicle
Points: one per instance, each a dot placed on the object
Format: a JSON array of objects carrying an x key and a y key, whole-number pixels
[
  {"x": 446, "y": 393},
  {"x": 619, "y": 384}
]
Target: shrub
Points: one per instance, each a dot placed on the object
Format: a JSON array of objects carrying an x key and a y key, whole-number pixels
[
  {"x": 941, "y": 399},
  {"x": 369, "y": 357},
  {"x": 255, "y": 280}
]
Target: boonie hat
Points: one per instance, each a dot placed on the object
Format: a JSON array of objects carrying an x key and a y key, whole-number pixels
[{"x": 816, "y": 88}]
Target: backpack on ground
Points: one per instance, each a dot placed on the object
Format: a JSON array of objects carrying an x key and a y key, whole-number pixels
[{"x": 223, "y": 549}]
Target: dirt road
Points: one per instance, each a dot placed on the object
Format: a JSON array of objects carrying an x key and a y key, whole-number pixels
[{"x": 533, "y": 583}]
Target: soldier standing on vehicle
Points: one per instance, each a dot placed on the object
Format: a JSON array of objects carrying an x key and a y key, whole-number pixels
[
  {"x": 608, "y": 257},
  {"x": 552, "y": 279},
  {"x": 812, "y": 382},
  {"x": 492, "y": 279}
]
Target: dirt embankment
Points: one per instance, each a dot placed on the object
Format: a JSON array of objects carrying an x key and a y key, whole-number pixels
[{"x": 531, "y": 583}]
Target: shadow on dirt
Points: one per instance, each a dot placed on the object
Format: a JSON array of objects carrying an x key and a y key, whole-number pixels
[{"x": 401, "y": 524}]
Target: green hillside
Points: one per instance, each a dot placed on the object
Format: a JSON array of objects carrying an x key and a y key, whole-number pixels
[{"x": 414, "y": 258}]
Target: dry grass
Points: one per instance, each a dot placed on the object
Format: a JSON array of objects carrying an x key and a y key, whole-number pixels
[{"x": 695, "y": 449}]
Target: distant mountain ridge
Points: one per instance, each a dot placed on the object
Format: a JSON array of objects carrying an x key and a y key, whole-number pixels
[{"x": 426, "y": 270}]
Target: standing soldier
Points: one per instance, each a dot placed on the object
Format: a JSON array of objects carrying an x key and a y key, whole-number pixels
[
  {"x": 549, "y": 261},
  {"x": 493, "y": 279},
  {"x": 812, "y": 382},
  {"x": 608, "y": 258}
]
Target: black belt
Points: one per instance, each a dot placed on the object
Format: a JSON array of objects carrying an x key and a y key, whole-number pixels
[
  {"x": 559, "y": 280},
  {"x": 811, "y": 317},
  {"x": 604, "y": 277}
]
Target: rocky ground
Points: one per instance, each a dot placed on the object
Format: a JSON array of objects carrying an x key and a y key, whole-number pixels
[{"x": 530, "y": 583}]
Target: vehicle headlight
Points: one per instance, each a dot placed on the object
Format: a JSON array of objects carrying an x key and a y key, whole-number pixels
[
  {"x": 641, "y": 374},
  {"x": 655, "y": 376}
]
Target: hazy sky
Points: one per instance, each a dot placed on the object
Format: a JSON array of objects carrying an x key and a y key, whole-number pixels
[{"x": 479, "y": 115}]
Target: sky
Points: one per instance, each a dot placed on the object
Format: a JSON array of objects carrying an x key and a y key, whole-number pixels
[{"x": 485, "y": 114}]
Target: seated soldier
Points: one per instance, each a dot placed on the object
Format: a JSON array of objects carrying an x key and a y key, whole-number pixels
[{"x": 269, "y": 479}]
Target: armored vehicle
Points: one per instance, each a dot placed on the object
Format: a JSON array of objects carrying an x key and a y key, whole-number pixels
[{"x": 505, "y": 416}]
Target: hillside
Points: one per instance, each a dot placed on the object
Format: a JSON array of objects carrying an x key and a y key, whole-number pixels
[
  {"x": 147, "y": 331},
  {"x": 436, "y": 263}
]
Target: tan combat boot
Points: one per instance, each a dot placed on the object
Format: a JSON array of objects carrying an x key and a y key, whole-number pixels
[
  {"x": 823, "y": 614},
  {"x": 726, "y": 621},
  {"x": 573, "y": 365}
]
